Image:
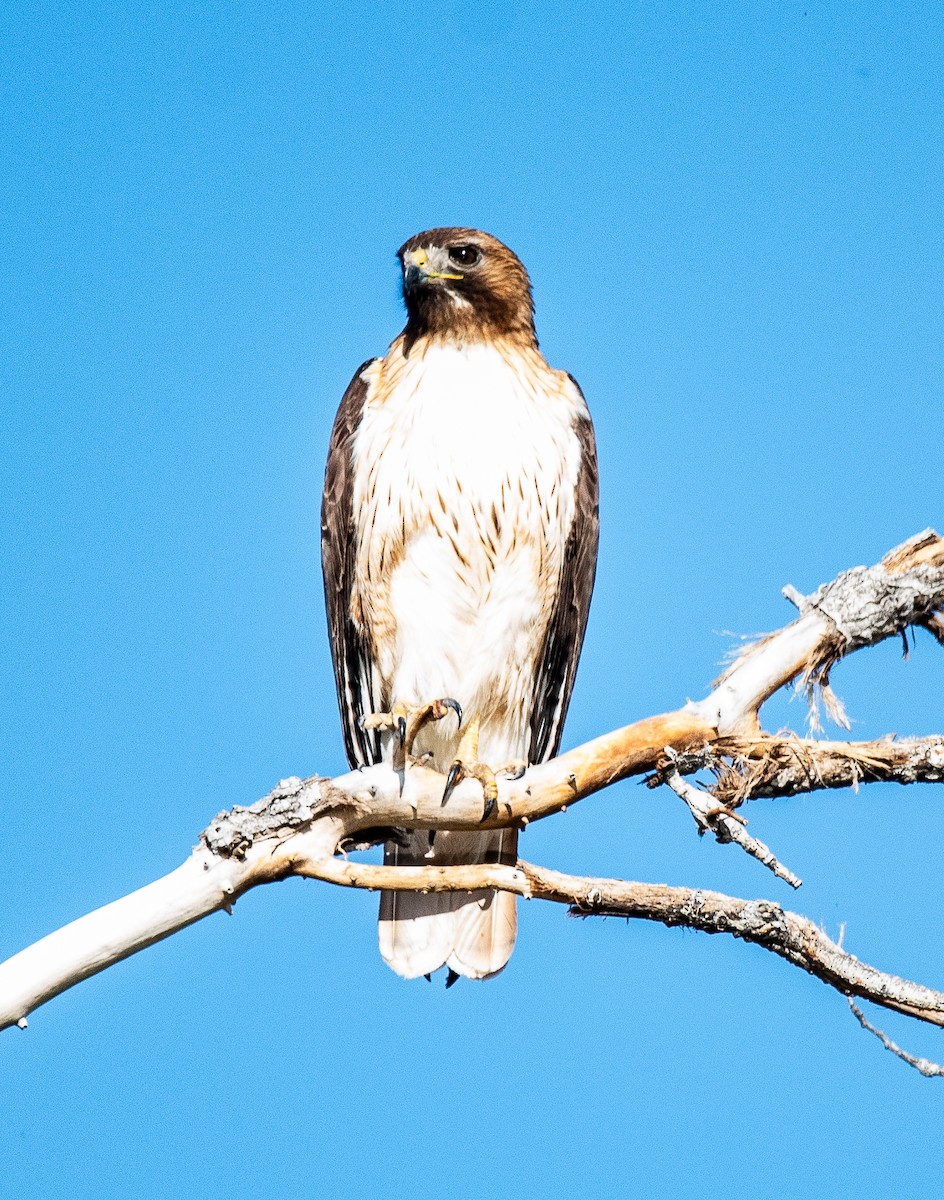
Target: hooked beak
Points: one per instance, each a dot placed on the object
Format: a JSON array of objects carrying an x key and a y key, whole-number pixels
[{"x": 418, "y": 270}]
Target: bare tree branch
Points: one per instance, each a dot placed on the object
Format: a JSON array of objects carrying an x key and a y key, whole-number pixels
[
  {"x": 286, "y": 834},
  {"x": 302, "y": 825},
  {"x": 924, "y": 1065}
]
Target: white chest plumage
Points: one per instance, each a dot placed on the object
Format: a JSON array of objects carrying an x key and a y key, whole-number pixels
[{"x": 465, "y": 467}]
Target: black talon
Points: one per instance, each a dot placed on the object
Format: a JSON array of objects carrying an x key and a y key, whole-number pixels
[
  {"x": 455, "y": 774},
  {"x": 432, "y": 836},
  {"x": 401, "y": 729},
  {"x": 490, "y": 807},
  {"x": 455, "y": 706},
  {"x": 428, "y": 977},
  {"x": 451, "y": 977}
]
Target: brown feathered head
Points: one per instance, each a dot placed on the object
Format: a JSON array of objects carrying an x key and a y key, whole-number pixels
[{"x": 464, "y": 285}]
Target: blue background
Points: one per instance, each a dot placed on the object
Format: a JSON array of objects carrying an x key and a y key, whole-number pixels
[{"x": 732, "y": 218}]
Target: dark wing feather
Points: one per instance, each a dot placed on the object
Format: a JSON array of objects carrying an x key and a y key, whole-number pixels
[
  {"x": 564, "y": 637},
  {"x": 350, "y": 651}
]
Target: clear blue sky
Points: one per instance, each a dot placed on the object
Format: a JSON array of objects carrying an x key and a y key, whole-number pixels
[{"x": 732, "y": 217}]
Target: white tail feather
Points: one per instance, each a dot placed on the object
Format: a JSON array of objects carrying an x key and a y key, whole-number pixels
[{"x": 471, "y": 932}]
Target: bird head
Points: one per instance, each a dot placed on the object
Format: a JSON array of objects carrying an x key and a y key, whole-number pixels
[{"x": 463, "y": 284}]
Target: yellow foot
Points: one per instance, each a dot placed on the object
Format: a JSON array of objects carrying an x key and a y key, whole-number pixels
[
  {"x": 466, "y": 765},
  {"x": 406, "y": 723},
  {"x": 514, "y": 769},
  {"x": 434, "y": 711},
  {"x": 473, "y": 770}
]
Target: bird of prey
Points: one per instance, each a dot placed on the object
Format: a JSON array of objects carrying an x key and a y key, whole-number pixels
[{"x": 459, "y": 540}]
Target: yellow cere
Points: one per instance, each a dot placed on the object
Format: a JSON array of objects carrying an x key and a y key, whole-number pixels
[{"x": 419, "y": 258}]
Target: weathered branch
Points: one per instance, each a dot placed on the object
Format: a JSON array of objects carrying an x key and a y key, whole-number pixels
[
  {"x": 784, "y": 766},
  {"x": 253, "y": 847},
  {"x": 300, "y": 827},
  {"x": 763, "y": 922},
  {"x": 861, "y": 607}
]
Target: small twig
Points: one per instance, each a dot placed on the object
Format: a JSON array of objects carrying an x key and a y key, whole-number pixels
[
  {"x": 796, "y": 598},
  {"x": 725, "y": 825},
  {"x": 927, "y": 1068}
]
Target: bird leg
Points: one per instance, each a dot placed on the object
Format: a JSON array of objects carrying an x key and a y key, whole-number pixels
[
  {"x": 434, "y": 711},
  {"x": 407, "y": 722},
  {"x": 466, "y": 765}
]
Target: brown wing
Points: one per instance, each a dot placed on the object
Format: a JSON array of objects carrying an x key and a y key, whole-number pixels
[
  {"x": 350, "y": 651},
  {"x": 562, "y": 642}
]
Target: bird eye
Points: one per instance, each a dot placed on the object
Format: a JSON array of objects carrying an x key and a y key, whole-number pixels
[{"x": 464, "y": 256}]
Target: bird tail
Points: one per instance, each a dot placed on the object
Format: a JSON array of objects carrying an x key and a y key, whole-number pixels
[{"x": 473, "y": 933}]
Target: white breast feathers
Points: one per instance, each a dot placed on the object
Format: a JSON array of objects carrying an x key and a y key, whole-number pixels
[{"x": 466, "y": 464}]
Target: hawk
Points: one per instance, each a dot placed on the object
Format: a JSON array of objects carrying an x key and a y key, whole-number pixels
[{"x": 459, "y": 540}]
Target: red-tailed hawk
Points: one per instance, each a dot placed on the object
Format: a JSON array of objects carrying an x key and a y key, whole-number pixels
[{"x": 459, "y": 541}]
